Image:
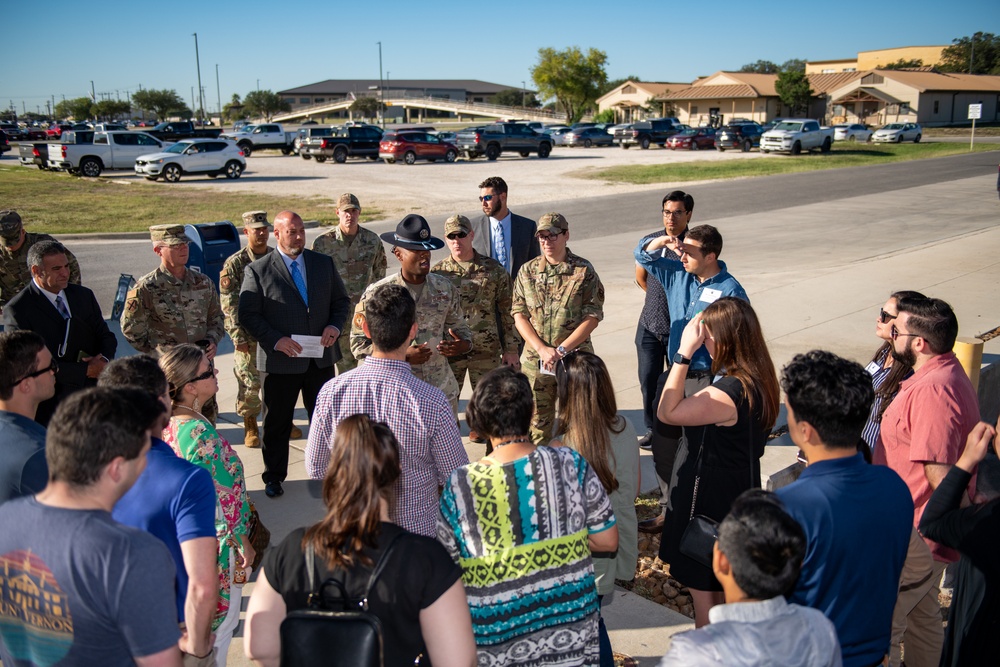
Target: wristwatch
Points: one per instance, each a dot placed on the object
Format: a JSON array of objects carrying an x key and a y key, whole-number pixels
[
  {"x": 561, "y": 350},
  {"x": 681, "y": 359}
]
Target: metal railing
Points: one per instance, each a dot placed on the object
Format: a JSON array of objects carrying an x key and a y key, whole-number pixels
[{"x": 434, "y": 103}]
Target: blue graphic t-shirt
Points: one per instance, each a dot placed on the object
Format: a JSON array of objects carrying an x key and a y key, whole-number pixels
[{"x": 78, "y": 589}]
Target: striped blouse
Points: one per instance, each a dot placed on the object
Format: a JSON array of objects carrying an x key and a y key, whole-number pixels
[{"x": 879, "y": 374}]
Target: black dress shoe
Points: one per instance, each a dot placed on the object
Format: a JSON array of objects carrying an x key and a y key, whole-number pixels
[
  {"x": 654, "y": 525},
  {"x": 273, "y": 489},
  {"x": 646, "y": 441}
]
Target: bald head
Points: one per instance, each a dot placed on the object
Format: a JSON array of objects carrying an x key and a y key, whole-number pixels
[{"x": 289, "y": 233}]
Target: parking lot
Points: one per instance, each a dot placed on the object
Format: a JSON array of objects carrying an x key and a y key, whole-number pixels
[{"x": 434, "y": 188}]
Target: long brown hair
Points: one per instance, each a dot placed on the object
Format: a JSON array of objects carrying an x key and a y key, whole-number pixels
[
  {"x": 180, "y": 364},
  {"x": 364, "y": 466},
  {"x": 741, "y": 351},
  {"x": 899, "y": 370},
  {"x": 588, "y": 413}
]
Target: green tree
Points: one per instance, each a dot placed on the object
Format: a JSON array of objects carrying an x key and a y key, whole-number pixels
[
  {"x": 160, "y": 103},
  {"x": 77, "y": 108},
  {"x": 264, "y": 103},
  {"x": 793, "y": 65},
  {"x": 760, "y": 67},
  {"x": 515, "y": 97},
  {"x": 109, "y": 109},
  {"x": 794, "y": 90},
  {"x": 983, "y": 48},
  {"x": 573, "y": 77},
  {"x": 233, "y": 109},
  {"x": 902, "y": 63},
  {"x": 367, "y": 106}
]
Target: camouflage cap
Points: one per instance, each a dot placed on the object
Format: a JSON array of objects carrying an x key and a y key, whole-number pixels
[
  {"x": 347, "y": 201},
  {"x": 255, "y": 219},
  {"x": 168, "y": 234},
  {"x": 457, "y": 223},
  {"x": 552, "y": 223},
  {"x": 10, "y": 223}
]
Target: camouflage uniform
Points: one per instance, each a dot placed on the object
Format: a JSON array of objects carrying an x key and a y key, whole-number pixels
[
  {"x": 244, "y": 363},
  {"x": 438, "y": 309},
  {"x": 556, "y": 299},
  {"x": 360, "y": 262},
  {"x": 485, "y": 292},
  {"x": 14, "y": 272},
  {"x": 162, "y": 311}
]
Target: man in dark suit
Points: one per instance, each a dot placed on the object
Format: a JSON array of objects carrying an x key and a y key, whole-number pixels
[
  {"x": 507, "y": 238},
  {"x": 68, "y": 317},
  {"x": 289, "y": 294}
]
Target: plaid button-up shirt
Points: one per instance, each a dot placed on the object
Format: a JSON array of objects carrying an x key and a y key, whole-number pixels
[{"x": 430, "y": 446}]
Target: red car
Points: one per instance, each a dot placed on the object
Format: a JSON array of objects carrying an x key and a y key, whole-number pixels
[
  {"x": 412, "y": 146},
  {"x": 55, "y": 131},
  {"x": 693, "y": 139}
]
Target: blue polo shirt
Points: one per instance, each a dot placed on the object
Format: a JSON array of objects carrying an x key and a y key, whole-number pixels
[
  {"x": 854, "y": 553},
  {"x": 686, "y": 296},
  {"x": 175, "y": 501}
]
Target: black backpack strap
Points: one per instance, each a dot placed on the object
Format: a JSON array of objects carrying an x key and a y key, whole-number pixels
[
  {"x": 383, "y": 560},
  {"x": 310, "y": 556}
]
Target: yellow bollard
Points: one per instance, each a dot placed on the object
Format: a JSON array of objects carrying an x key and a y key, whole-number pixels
[{"x": 970, "y": 354}]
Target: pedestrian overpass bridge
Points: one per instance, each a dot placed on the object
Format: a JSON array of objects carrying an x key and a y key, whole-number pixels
[{"x": 413, "y": 108}]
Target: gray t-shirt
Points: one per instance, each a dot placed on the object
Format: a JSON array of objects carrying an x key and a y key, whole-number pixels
[{"x": 76, "y": 588}]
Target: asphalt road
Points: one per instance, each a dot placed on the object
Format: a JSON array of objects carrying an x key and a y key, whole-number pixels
[{"x": 103, "y": 260}]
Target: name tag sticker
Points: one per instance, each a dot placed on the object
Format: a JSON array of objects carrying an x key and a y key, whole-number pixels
[
  {"x": 872, "y": 367},
  {"x": 709, "y": 295}
]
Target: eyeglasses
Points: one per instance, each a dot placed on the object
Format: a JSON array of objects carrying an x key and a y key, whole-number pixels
[
  {"x": 673, "y": 214},
  {"x": 549, "y": 237},
  {"x": 884, "y": 317},
  {"x": 54, "y": 367},
  {"x": 457, "y": 235},
  {"x": 487, "y": 198},
  {"x": 896, "y": 333},
  {"x": 210, "y": 373}
]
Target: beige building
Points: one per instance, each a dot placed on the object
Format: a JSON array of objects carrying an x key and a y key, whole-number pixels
[
  {"x": 635, "y": 100},
  {"x": 868, "y": 60},
  {"x": 925, "y": 97}
]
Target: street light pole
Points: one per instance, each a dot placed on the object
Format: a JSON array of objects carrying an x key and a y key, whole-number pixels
[
  {"x": 197, "y": 60},
  {"x": 524, "y": 93},
  {"x": 381, "y": 89},
  {"x": 218, "y": 92}
]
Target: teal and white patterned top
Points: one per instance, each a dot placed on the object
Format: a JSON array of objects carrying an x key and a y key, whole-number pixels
[{"x": 519, "y": 531}]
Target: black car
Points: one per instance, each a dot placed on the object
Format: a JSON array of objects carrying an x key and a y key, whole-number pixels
[
  {"x": 744, "y": 136},
  {"x": 4, "y": 143}
]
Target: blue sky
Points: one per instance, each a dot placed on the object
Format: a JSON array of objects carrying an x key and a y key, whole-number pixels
[{"x": 122, "y": 45}]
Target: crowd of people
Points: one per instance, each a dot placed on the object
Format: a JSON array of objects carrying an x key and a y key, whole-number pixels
[{"x": 126, "y": 526}]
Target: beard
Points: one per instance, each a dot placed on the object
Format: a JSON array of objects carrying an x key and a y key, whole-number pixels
[{"x": 907, "y": 357}]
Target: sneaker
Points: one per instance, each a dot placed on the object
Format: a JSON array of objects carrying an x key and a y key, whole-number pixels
[{"x": 646, "y": 441}]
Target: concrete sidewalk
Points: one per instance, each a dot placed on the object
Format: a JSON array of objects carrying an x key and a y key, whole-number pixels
[{"x": 817, "y": 276}]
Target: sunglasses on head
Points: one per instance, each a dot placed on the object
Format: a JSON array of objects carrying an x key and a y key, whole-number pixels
[{"x": 884, "y": 317}]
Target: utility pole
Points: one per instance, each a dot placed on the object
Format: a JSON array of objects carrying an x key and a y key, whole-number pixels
[
  {"x": 972, "y": 51},
  {"x": 201, "y": 94},
  {"x": 258, "y": 85},
  {"x": 524, "y": 94},
  {"x": 381, "y": 90},
  {"x": 93, "y": 95},
  {"x": 218, "y": 92}
]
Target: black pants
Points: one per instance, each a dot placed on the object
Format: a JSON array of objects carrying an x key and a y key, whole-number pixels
[
  {"x": 281, "y": 392},
  {"x": 651, "y": 351},
  {"x": 667, "y": 437}
]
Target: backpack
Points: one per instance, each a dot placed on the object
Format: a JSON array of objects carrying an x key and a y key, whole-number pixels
[{"x": 349, "y": 637}]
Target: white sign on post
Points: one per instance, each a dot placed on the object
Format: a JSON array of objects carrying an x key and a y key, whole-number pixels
[{"x": 975, "y": 111}]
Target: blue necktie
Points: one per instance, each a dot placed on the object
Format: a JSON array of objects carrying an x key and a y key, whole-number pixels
[
  {"x": 500, "y": 248},
  {"x": 61, "y": 307},
  {"x": 300, "y": 282}
]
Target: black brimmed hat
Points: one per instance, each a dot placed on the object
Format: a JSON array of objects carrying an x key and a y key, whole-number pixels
[{"x": 413, "y": 233}]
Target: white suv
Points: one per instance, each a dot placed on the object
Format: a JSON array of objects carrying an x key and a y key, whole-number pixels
[{"x": 211, "y": 157}]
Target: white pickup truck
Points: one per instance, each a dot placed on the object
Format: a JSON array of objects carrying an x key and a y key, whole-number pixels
[
  {"x": 260, "y": 137},
  {"x": 110, "y": 150},
  {"x": 795, "y": 135}
]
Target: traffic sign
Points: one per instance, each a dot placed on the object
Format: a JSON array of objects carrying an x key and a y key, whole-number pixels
[{"x": 975, "y": 111}]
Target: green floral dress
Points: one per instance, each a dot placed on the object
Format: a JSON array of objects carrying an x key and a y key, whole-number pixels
[{"x": 197, "y": 441}]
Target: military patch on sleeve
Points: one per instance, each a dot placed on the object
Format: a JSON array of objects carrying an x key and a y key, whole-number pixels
[
  {"x": 359, "y": 320},
  {"x": 132, "y": 305},
  {"x": 224, "y": 282}
]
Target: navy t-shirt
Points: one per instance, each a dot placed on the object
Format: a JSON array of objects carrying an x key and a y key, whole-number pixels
[
  {"x": 857, "y": 519},
  {"x": 174, "y": 500},
  {"x": 23, "y": 470},
  {"x": 79, "y": 589}
]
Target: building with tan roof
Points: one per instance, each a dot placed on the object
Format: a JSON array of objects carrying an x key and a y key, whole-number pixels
[{"x": 635, "y": 100}]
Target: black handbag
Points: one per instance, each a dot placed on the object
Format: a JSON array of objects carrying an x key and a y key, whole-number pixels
[
  {"x": 318, "y": 635},
  {"x": 698, "y": 538}
]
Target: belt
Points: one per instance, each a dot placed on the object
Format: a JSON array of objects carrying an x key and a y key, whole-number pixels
[{"x": 699, "y": 374}]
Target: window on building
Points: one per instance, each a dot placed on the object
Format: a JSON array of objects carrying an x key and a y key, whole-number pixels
[
  {"x": 828, "y": 71},
  {"x": 694, "y": 110},
  {"x": 304, "y": 100},
  {"x": 904, "y": 107},
  {"x": 628, "y": 90},
  {"x": 937, "y": 105},
  {"x": 319, "y": 99},
  {"x": 850, "y": 69}
]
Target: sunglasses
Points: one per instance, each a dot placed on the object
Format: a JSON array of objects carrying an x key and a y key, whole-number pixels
[
  {"x": 487, "y": 198},
  {"x": 210, "y": 373},
  {"x": 54, "y": 367},
  {"x": 884, "y": 317},
  {"x": 457, "y": 235},
  {"x": 896, "y": 333}
]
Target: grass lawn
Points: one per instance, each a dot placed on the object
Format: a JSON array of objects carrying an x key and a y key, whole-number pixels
[
  {"x": 57, "y": 203},
  {"x": 843, "y": 155}
]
